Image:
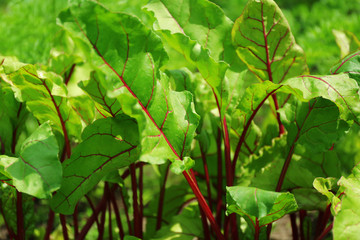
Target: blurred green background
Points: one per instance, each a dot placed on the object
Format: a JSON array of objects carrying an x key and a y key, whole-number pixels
[{"x": 28, "y": 27}]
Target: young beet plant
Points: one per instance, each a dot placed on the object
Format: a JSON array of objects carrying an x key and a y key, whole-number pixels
[{"x": 230, "y": 106}]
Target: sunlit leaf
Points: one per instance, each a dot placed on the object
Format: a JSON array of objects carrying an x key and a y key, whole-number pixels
[
  {"x": 37, "y": 171},
  {"x": 257, "y": 206},
  {"x": 264, "y": 42}
]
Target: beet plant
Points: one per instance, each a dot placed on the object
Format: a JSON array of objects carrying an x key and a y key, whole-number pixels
[{"x": 182, "y": 125}]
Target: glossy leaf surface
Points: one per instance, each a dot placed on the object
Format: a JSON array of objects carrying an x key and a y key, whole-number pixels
[{"x": 254, "y": 203}]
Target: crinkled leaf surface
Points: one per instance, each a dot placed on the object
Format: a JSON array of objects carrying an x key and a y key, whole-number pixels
[
  {"x": 349, "y": 65},
  {"x": 108, "y": 144},
  {"x": 340, "y": 89},
  {"x": 201, "y": 20},
  {"x": 200, "y": 31},
  {"x": 94, "y": 88},
  {"x": 257, "y": 204},
  {"x": 347, "y": 221},
  {"x": 179, "y": 166},
  {"x": 37, "y": 171},
  {"x": 264, "y": 42},
  {"x": 133, "y": 55},
  {"x": 46, "y": 97},
  {"x": 327, "y": 186}
]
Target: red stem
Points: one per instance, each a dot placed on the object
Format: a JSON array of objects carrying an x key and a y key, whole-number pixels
[
  {"x": 257, "y": 230},
  {"x": 269, "y": 71},
  {"x": 75, "y": 220},
  {"x": 204, "y": 224},
  {"x": 68, "y": 76},
  {"x": 294, "y": 227},
  {"x": 126, "y": 173},
  {"x": 281, "y": 126},
  {"x": 49, "y": 225},
  {"x": 110, "y": 223},
  {"x": 284, "y": 169},
  {"x": 19, "y": 217},
  {"x": 234, "y": 227},
  {"x": 126, "y": 212},
  {"x": 109, "y": 211},
  {"x": 219, "y": 178},
  {"x": 246, "y": 128},
  {"x": 326, "y": 231},
  {"x": 93, "y": 217},
  {"x": 230, "y": 175},
  {"x": 207, "y": 177},
  {"x": 2, "y": 146},
  {"x": 93, "y": 209},
  {"x": 302, "y": 214},
  {"x": 202, "y": 213},
  {"x": 204, "y": 205},
  {"x": 14, "y": 140},
  {"x": 101, "y": 230},
  {"x": 229, "y": 171},
  {"x": 66, "y": 137},
  {"x": 141, "y": 203},
  {"x": 137, "y": 224},
  {"x": 63, "y": 226},
  {"x": 117, "y": 215},
  {"x": 325, "y": 218},
  {"x": 161, "y": 199},
  {"x": 197, "y": 192}
]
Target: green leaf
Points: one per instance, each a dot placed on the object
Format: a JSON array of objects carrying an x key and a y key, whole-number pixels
[
  {"x": 37, "y": 171},
  {"x": 94, "y": 88},
  {"x": 108, "y": 144},
  {"x": 46, "y": 97},
  {"x": 133, "y": 56},
  {"x": 325, "y": 186},
  {"x": 350, "y": 65},
  {"x": 346, "y": 222},
  {"x": 131, "y": 238},
  {"x": 314, "y": 124},
  {"x": 179, "y": 166},
  {"x": 346, "y": 41},
  {"x": 264, "y": 42},
  {"x": 340, "y": 89},
  {"x": 259, "y": 205},
  {"x": 8, "y": 117},
  {"x": 84, "y": 108},
  {"x": 200, "y": 31},
  {"x": 200, "y": 20}
]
